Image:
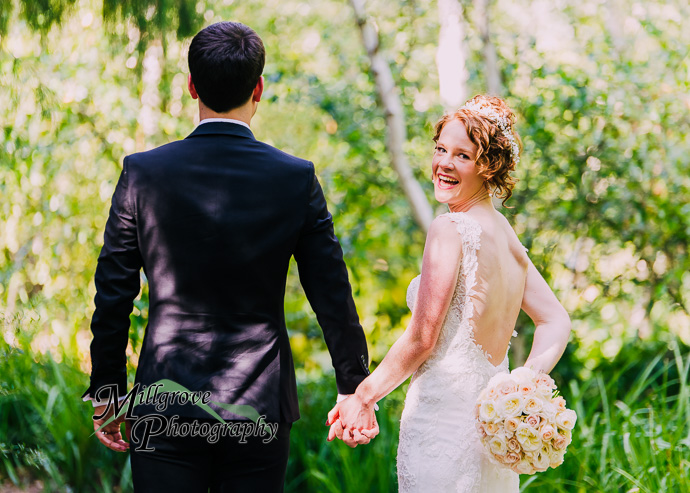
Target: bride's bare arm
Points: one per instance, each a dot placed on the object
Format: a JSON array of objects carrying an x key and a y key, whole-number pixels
[
  {"x": 440, "y": 264},
  {"x": 550, "y": 318}
]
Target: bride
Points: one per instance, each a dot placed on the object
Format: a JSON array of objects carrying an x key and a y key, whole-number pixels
[{"x": 475, "y": 278}]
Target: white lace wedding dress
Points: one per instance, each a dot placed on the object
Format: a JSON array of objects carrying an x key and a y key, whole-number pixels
[{"x": 439, "y": 449}]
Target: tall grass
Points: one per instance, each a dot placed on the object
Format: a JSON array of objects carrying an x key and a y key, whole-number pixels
[
  {"x": 632, "y": 434},
  {"x": 633, "y": 428},
  {"x": 45, "y": 427}
]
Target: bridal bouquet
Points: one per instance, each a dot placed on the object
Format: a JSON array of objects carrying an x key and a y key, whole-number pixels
[{"x": 523, "y": 422}]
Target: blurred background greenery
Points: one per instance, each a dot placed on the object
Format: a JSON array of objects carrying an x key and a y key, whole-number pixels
[{"x": 601, "y": 89}]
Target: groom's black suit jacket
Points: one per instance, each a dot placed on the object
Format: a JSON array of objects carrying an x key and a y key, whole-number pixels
[{"x": 213, "y": 220}]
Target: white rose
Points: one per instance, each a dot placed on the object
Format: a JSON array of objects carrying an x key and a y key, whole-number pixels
[
  {"x": 523, "y": 374},
  {"x": 541, "y": 460},
  {"x": 509, "y": 405},
  {"x": 523, "y": 467},
  {"x": 497, "y": 445},
  {"x": 487, "y": 411},
  {"x": 559, "y": 402},
  {"x": 566, "y": 419},
  {"x": 533, "y": 405},
  {"x": 528, "y": 438},
  {"x": 549, "y": 410},
  {"x": 491, "y": 428},
  {"x": 555, "y": 456}
]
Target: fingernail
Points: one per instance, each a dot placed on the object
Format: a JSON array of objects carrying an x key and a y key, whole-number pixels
[{"x": 326, "y": 422}]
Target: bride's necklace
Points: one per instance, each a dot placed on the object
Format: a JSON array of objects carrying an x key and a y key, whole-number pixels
[{"x": 478, "y": 196}]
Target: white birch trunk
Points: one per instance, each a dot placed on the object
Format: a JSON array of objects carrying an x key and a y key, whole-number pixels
[{"x": 396, "y": 133}]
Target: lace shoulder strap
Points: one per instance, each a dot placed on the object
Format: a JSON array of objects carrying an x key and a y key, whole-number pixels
[{"x": 469, "y": 230}]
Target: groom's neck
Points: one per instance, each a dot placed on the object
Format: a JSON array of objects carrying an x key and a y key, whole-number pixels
[{"x": 243, "y": 113}]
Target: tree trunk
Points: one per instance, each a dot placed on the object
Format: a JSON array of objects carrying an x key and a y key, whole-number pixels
[
  {"x": 149, "y": 114},
  {"x": 451, "y": 55},
  {"x": 396, "y": 133},
  {"x": 493, "y": 75}
]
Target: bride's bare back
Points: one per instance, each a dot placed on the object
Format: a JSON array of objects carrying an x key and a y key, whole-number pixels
[{"x": 500, "y": 281}]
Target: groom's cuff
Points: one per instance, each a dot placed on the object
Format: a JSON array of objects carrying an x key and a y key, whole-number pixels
[
  {"x": 342, "y": 397},
  {"x": 96, "y": 403}
]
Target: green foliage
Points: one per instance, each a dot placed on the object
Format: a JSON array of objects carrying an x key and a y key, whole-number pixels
[
  {"x": 633, "y": 429},
  {"x": 153, "y": 18},
  {"x": 45, "y": 428}
]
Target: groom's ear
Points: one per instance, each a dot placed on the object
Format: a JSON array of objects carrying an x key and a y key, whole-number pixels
[
  {"x": 258, "y": 90},
  {"x": 192, "y": 89}
]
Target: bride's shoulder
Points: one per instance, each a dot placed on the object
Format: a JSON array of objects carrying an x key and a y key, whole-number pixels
[
  {"x": 515, "y": 242},
  {"x": 467, "y": 225},
  {"x": 445, "y": 228},
  {"x": 453, "y": 229}
]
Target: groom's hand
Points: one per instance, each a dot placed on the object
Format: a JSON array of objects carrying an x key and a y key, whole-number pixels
[
  {"x": 352, "y": 422},
  {"x": 109, "y": 435}
]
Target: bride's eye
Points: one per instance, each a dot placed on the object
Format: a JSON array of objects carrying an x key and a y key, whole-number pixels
[{"x": 439, "y": 149}]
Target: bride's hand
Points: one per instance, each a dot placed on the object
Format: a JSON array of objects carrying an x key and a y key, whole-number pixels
[{"x": 352, "y": 421}]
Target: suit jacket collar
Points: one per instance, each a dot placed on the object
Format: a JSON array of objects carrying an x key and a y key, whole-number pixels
[{"x": 222, "y": 128}]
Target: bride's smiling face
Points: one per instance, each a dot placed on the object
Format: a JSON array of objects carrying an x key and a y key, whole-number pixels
[{"x": 453, "y": 166}]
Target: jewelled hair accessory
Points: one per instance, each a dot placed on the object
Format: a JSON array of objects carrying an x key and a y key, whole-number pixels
[{"x": 503, "y": 123}]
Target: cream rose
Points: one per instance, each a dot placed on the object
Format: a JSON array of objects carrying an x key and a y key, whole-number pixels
[
  {"x": 527, "y": 388},
  {"x": 534, "y": 420},
  {"x": 507, "y": 387},
  {"x": 511, "y": 424},
  {"x": 523, "y": 467},
  {"x": 491, "y": 428},
  {"x": 560, "y": 442},
  {"x": 497, "y": 445},
  {"x": 543, "y": 380},
  {"x": 555, "y": 457},
  {"x": 522, "y": 373},
  {"x": 511, "y": 458},
  {"x": 509, "y": 405},
  {"x": 547, "y": 432},
  {"x": 559, "y": 403},
  {"x": 492, "y": 394},
  {"x": 487, "y": 411},
  {"x": 528, "y": 437},
  {"x": 541, "y": 460},
  {"x": 566, "y": 419},
  {"x": 548, "y": 410},
  {"x": 513, "y": 444},
  {"x": 533, "y": 405}
]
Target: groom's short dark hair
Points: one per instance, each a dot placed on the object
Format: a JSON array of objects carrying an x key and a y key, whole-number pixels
[{"x": 226, "y": 60}]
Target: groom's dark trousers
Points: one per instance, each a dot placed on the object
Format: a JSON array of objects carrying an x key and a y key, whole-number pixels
[{"x": 213, "y": 221}]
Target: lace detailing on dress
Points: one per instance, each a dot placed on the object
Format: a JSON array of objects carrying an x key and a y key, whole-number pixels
[{"x": 439, "y": 448}]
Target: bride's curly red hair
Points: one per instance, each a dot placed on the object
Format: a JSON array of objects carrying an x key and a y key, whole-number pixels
[{"x": 494, "y": 157}]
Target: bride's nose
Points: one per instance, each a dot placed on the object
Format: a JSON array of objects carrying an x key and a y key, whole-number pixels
[{"x": 446, "y": 163}]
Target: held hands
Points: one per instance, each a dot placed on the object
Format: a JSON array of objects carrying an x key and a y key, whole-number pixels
[
  {"x": 110, "y": 435},
  {"x": 352, "y": 421}
]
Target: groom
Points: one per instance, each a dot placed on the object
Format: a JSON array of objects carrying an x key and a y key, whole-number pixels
[{"x": 213, "y": 221}]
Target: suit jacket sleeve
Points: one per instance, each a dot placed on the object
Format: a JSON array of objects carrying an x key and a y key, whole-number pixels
[
  {"x": 325, "y": 281},
  {"x": 117, "y": 285}
]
